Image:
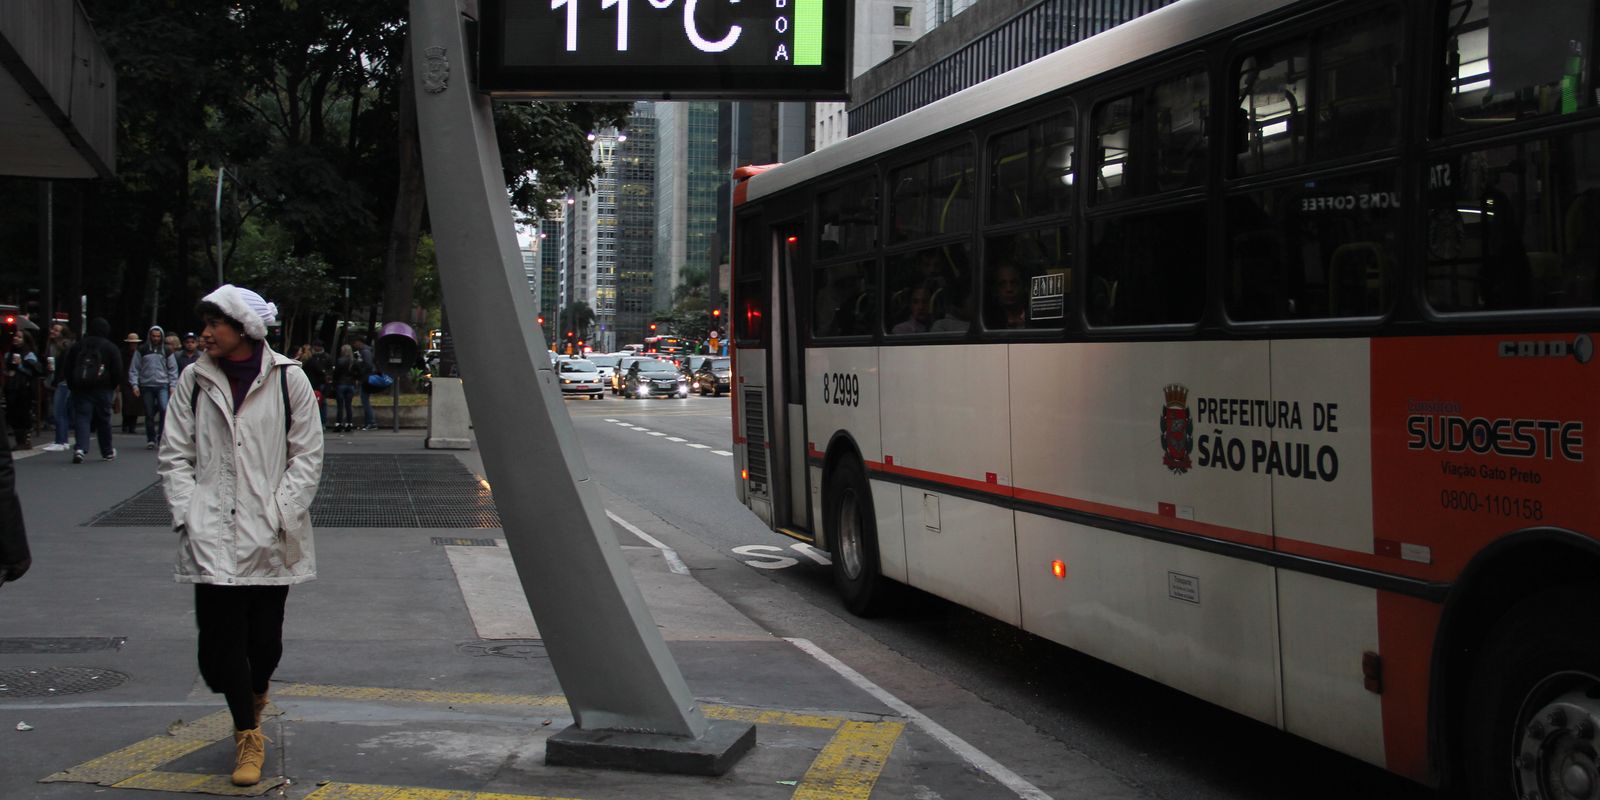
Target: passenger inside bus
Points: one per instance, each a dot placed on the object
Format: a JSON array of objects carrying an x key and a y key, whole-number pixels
[{"x": 1007, "y": 299}]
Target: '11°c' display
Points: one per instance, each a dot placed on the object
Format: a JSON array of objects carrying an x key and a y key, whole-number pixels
[{"x": 665, "y": 48}]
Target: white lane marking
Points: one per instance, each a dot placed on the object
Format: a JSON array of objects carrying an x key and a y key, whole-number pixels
[
  {"x": 609, "y": 419},
  {"x": 657, "y": 433},
  {"x": 701, "y": 446},
  {"x": 812, "y": 553},
  {"x": 671, "y": 555},
  {"x": 959, "y": 746},
  {"x": 641, "y": 429},
  {"x": 676, "y": 439},
  {"x": 762, "y": 551},
  {"x": 721, "y": 452}
]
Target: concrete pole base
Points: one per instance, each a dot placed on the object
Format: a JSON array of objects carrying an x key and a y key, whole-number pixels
[
  {"x": 449, "y": 425},
  {"x": 713, "y": 754}
]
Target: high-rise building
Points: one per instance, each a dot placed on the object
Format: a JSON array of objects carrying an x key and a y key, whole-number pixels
[
  {"x": 882, "y": 29},
  {"x": 549, "y": 235},
  {"x": 690, "y": 194},
  {"x": 635, "y": 169}
]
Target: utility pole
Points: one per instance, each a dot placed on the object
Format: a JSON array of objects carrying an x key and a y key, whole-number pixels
[
  {"x": 344, "y": 319},
  {"x": 222, "y": 169}
]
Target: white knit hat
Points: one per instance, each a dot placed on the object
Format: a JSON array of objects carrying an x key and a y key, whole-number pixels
[{"x": 246, "y": 308}]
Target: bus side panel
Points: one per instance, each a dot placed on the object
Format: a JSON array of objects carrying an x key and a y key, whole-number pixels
[
  {"x": 1100, "y": 427},
  {"x": 1326, "y": 625},
  {"x": 1202, "y": 623},
  {"x": 850, "y": 405},
  {"x": 1478, "y": 436},
  {"x": 1321, "y": 459},
  {"x": 955, "y": 432}
]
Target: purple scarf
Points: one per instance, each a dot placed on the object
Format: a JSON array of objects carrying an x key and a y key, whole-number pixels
[{"x": 241, "y": 374}]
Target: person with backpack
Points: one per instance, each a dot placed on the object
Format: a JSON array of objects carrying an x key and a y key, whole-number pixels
[
  {"x": 319, "y": 368},
  {"x": 368, "y": 365},
  {"x": 22, "y": 371},
  {"x": 152, "y": 373},
  {"x": 94, "y": 370},
  {"x": 239, "y": 466}
]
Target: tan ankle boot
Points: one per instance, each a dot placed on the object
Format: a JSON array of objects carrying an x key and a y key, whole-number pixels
[
  {"x": 251, "y": 748},
  {"x": 260, "y": 706}
]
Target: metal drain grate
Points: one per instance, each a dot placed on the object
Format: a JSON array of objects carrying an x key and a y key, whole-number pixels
[
  {"x": 457, "y": 541},
  {"x": 361, "y": 491},
  {"x": 65, "y": 644},
  {"x": 52, "y": 681}
]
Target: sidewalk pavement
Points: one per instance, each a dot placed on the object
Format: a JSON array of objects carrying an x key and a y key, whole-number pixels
[{"x": 412, "y": 667}]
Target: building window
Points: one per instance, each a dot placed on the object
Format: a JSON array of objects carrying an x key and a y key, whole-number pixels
[
  {"x": 898, "y": 46},
  {"x": 902, "y": 19}
]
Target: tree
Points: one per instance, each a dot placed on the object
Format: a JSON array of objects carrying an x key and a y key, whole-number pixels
[{"x": 577, "y": 317}]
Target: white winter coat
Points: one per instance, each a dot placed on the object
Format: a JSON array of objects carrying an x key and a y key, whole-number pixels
[{"x": 239, "y": 487}]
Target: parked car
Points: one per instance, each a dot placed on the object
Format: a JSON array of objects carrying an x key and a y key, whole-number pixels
[
  {"x": 648, "y": 377},
  {"x": 713, "y": 376},
  {"x": 579, "y": 377}
]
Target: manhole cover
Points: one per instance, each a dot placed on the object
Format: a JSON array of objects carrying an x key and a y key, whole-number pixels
[
  {"x": 505, "y": 648},
  {"x": 53, "y": 681}
]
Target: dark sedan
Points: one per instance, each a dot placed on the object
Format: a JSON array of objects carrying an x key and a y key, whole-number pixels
[
  {"x": 713, "y": 376},
  {"x": 652, "y": 378}
]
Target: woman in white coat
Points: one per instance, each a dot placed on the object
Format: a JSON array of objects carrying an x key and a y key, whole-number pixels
[{"x": 240, "y": 463}]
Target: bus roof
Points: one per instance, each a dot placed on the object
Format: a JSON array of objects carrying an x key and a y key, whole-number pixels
[{"x": 1160, "y": 30}]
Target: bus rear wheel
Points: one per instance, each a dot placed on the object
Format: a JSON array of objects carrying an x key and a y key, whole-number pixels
[
  {"x": 1533, "y": 707},
  {"x": 853, "y": 538}
]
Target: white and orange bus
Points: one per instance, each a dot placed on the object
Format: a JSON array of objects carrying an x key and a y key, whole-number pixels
[{"x": 1246, "y": 346}]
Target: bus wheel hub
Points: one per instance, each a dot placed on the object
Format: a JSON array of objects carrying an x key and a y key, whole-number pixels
[{"x": 1557, "y": 757}]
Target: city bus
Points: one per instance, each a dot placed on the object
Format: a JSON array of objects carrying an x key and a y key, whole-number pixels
[
  {"x": 665, "y": 346},
  {"x": 1246, "y": 346}
]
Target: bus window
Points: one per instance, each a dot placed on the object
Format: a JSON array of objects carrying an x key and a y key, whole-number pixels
[
  {"x": 844, "y": 302},
  {"x": 1314, "y": 249},
  {"x": 848, "y": 219},
  {"x": 750, "y": 269},
  {"x": 1505, "y": 234},
  {"x": 931, "y": 198},
  {"x": 929, "y": 291},
  {"x": 1179, "y": 109},
  {"x": 1113, "y": 129},
  {"x": 1358, "y": 86},
  {"x": 1272, "y": 105},
  {"x": 1507, "y": 60},
  {"x": 1012, "y": 298},
  {"x": 1148, "y": 269},
  {"x": 1031, "y": 169}
]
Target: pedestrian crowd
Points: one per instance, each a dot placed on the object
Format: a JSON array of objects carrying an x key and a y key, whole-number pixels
[{"x": 74, "y": 386}]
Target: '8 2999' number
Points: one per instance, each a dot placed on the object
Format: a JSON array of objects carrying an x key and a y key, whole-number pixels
[{"x": 840, "y": 388}]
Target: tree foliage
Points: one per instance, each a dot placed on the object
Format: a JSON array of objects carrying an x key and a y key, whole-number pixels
[{"x": 298, "y": 103}]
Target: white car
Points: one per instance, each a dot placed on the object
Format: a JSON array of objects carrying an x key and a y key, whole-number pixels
[
  {"x": 606, "y": 365},
  {"x": 579, "y": 377}
]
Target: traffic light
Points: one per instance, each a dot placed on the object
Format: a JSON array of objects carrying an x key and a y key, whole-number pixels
[
  {"x": 652, "y": 327},
  {"x": 716, "y": 313},
  {"x": 541, "y": 320}
]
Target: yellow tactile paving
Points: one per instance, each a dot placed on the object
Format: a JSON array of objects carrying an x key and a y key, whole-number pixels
[
  {"x": 849, "y": 766},
  {"x": 146, "y": 755},
  {"x": 362, "y": 791}
]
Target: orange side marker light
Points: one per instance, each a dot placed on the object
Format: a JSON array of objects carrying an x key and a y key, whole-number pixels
[{"x": 1058, "y": 568}]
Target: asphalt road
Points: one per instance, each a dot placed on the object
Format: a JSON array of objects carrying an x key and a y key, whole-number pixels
[{"x": 970, "y": 672}]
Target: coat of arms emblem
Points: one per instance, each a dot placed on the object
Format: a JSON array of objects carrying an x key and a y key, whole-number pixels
[
  {"x": 1177, "y": 429},
  {"x": 435, "y": 70}
]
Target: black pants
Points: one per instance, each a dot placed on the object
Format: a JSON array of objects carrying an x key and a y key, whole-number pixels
[{"x": 241, "y": 640}]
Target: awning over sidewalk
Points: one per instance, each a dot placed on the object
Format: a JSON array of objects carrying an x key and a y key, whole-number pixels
[{"x": 58, "y": 93}]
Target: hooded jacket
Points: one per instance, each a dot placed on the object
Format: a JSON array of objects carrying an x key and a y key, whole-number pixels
[
  {"x": 153, "y": 367},
  {"x": 239, "y": 486}
]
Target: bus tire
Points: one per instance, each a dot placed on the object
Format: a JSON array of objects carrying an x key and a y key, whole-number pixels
[
  {"x": 1533, "y": 705},
  {"x": 853, "y": 539}
]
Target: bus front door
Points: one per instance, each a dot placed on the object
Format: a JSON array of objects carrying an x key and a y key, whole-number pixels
[{"x": 788, "y": 372}]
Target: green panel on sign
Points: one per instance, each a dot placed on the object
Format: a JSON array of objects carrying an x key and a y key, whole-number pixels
[{"x": 808, "y": 33}]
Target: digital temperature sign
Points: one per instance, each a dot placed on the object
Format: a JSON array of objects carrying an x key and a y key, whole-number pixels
[{"x": 641, "y": 49}]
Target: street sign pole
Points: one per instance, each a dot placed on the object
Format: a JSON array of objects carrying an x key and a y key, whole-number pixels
[{"x": 631, "y": 706}]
